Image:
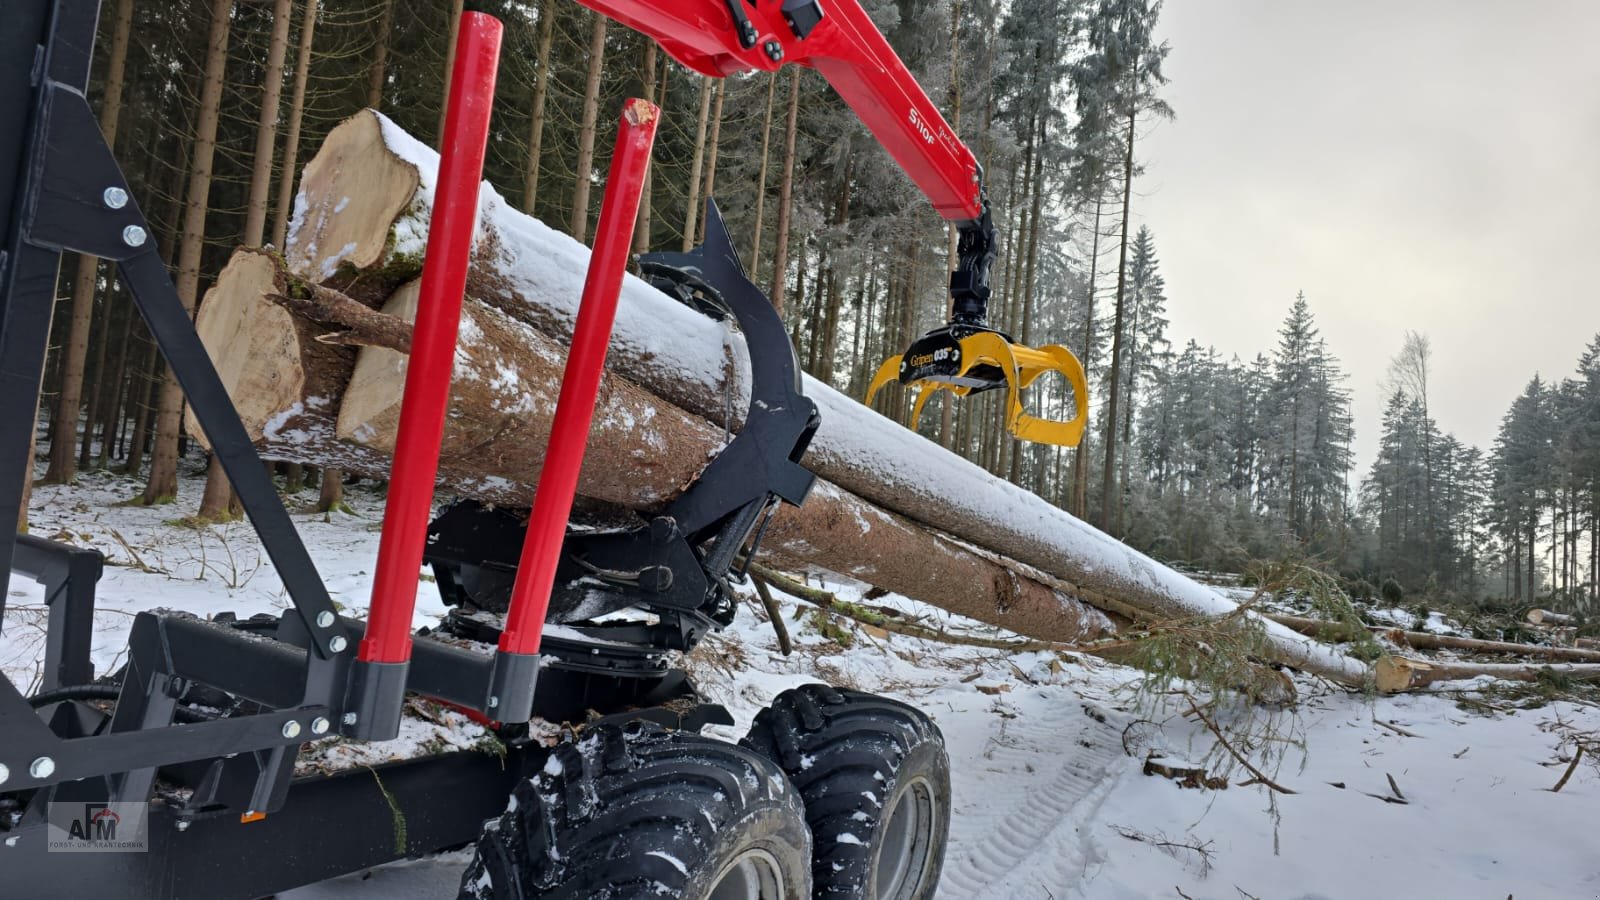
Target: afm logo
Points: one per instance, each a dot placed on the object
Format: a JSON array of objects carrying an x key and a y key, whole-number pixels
[{"x": 97, "y": 827}]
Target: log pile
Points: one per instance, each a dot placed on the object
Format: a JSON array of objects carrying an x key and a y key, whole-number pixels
[{"x": 312, "y": 347}]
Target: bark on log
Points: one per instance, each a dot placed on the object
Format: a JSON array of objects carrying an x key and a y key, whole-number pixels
[
  {"x": 534, "y": 275},
  {"x": 1423, "y": 640},
  {"x": 642, "y": 451},
  {"x": 1396, "y": 674},
  {"x": 1548, "y": 617}
]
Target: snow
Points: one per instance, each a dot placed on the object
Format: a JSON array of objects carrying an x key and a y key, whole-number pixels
[
  {"x": 676, "y": 862},
  {"x": 1049, "y": 799}
]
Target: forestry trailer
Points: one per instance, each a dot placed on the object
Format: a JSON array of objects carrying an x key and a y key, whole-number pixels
[{"x": 186, "y": 755}]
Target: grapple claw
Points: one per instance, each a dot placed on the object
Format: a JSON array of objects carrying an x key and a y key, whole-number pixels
[{"x": 967, "y": 360}]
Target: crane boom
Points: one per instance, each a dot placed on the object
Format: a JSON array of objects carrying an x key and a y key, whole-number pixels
[{"x": 838, "y": 40}]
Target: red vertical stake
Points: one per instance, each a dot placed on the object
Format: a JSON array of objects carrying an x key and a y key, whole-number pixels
[
  {"x": 433, "y": 342},
  {"x": 558, "y": 479}
]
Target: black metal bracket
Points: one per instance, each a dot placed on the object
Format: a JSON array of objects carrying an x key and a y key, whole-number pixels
[
  {"x": 68, "y": 575},
  {"x": 681, "y": 560},
  {"x": 976, "y": 247},
  {"x": 677, "y": 565}
]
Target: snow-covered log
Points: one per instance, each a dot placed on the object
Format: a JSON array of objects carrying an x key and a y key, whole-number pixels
[{"x": 534, "y": 275}]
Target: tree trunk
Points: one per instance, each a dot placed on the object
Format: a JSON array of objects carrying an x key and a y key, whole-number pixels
[
  {"x": 541, "y": 91},
  {"x": 713, "y": 143},
  {"x": 641, "y": 226},
  {"x": 330, "y": 496},
  {"x": 780, "y": 247},
  {"x": 163, "y": 482},
  {"x": 291, "y": 143},
  {"x": 691, "y": 212},
  {"x": 761, "y": 180},
  {"x": 95, "y": 387},
  {"x": 1108, "y": 474},
  {"x": 150, "y": 371},
  {"x": 1080, "y": 454},
  {"x": 255, "y": 223},
  {"x": 380, "y": 57},
  {"x": 64, "y": 423},
  {"x": 110, "y": 404},
  {"x": 456, "y": 8},
  {"x": 591, "y": 111}
]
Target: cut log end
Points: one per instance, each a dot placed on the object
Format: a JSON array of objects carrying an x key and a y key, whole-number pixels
[
  {"x": 1549, "y": 617},
  {"x": 1398, "y": 674},
  {"x": 370, "y": 413},
  {"x": 252, "y": 344},
  {"x": 350, "y": 194}
]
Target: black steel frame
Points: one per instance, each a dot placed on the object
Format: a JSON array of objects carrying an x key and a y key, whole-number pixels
[{"x": 62, "y": 191}]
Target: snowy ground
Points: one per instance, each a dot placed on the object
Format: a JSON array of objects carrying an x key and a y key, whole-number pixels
[{"x": 1047, "y": 753}]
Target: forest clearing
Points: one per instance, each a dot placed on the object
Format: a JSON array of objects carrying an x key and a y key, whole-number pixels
[{"x": 724, "y": 449}]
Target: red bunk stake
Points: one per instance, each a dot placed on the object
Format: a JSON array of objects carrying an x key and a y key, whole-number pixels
[
  {"x": 516, "y": 662},
  {"x": 416, "y": 458}
]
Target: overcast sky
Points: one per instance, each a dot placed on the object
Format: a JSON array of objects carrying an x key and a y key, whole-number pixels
[{"x": 1424, "y": 165}]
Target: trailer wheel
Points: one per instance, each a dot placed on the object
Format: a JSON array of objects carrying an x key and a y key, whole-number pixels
[
  {"x": 875, "y": 779},
  {"x": 638, "y": 811}
]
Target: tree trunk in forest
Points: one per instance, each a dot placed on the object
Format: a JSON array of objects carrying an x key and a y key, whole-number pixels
[
  {"x": 947, "y": 403},
  {"x": 541, "y": 91},
  {"x": 705, "y": 375},
  {"x": 780, "y": 246},
  {"x": 1080, "y": 454},
  {"x": 456, "y": 9},
  {"x": 112, "y": 386},
  {"x": 163, "y": 482},
  {"x": 255, "y": 223},
  {"x": 713, "y": 144},
  {"x": 641, "y": 224},
  {"x": 579, "y": 223},
  {"x": 691, "y": 212},
  {"x": 291, "y": 143},
  {"x": 97, "y": 373},
  {"x": 150, "y": 371},
  {"x": 1030, "y": 266},
  {"x": 64, "y": 423},
  {"x": 380, "y": 56},
  {"x": 1108, "y": 475},
  {"x": 761, "y": 180}
]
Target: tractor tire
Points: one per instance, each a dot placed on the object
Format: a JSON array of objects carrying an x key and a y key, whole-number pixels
[
  {"x": 638, "y": 811},
  {"x": 875, "y": 779}
]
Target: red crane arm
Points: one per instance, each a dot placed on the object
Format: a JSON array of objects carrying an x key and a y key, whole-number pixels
[{"x": 839, "y": 40}]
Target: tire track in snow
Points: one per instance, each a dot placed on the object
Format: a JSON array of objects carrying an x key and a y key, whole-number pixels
[{"x": 1018, "y": 827}]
